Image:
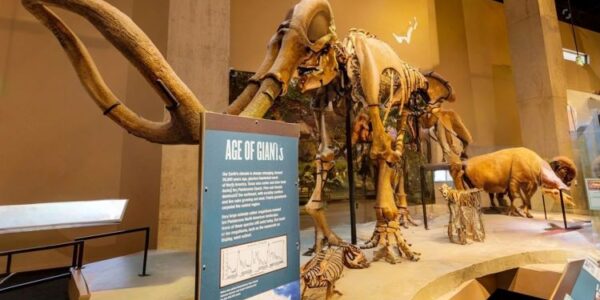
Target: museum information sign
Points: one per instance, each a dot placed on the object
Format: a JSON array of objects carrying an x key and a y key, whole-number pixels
[
  {"x": 587, "y": 285},
  {"x": 248, "y": 235},
  {"x": 592, "y": 187}
]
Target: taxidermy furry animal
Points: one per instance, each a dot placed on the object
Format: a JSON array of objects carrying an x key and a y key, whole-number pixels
[{"x": 519, "y": 171}]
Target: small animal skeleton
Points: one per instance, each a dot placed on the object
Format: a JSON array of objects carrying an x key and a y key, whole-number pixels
[
  {"x": 325, "y": 268},
  {"x": 465, "y": 215}
]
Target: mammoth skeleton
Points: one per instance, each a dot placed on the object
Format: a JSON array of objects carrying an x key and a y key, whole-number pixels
[{"x": 305, "y": 47}]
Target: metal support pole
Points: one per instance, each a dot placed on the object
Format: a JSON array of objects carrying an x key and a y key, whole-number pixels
[
  {"x": 562, "y": 206},
  {"x": 74, "y": 259},
  {"x": 544, "y": 203},
  {"x": 80, "y": 255},
  {"x": 422, "y": 173},
  {"x": 418, "y": 137},
  {"x": 350, "y": 168},
  {"x": 81, "y": 244},
  {"x": 421, "y": 170},
  {"x": 146, "y": 245},
  {"x": 8, "y": 263}
]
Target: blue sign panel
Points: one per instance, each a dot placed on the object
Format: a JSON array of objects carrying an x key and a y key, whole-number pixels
[
  {"x": 249, "y": 234},
  {"x": 587, "y": 285}
]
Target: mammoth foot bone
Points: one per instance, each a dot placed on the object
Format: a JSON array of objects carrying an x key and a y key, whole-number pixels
[
  {"x": 315, "y": 207},
  {"x": 393, "y": 246},
  {"x": 405, "y": 219},
  {"x": 323, "y": 242},
  {"x": 324, "y": 236}
]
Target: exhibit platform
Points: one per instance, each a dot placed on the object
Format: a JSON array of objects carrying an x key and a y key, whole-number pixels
[{"x": 511, "y": 242}]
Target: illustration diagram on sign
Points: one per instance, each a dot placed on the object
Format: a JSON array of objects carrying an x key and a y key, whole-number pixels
[
  {"x": 231, "y": 266},
  {"x": 250, "y": 260},
  {"x": 246, "y": 263},
  {"x": 260, "y": 257},
  {"x": 276, "y": 252}
]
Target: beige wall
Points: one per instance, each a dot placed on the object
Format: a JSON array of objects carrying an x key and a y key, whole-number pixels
[
  {"x": 49, "y": 127},
  {"x": 474, "y": 57},
  {"x": 254, "y": 22},
  {"x": 55, "y": 143},
  {"x": 454, "y": 59}
]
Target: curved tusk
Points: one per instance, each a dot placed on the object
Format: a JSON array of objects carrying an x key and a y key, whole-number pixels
[
  {"x": 270, "y": 89},
  {"x": 130, "y": 40},
  {"x": 242, "y": 101}
]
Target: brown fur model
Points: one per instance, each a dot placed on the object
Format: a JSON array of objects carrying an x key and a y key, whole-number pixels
[{"x": 517, "y": 170}]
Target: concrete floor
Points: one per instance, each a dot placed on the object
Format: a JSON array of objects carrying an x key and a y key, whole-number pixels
[{"x": 510, "y": 242}]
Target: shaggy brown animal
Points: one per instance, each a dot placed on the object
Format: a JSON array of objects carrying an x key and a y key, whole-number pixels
[{"x": 519, "y": 171}]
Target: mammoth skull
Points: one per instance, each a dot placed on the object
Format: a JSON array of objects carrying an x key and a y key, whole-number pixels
[{"x": 301, "y": 48}]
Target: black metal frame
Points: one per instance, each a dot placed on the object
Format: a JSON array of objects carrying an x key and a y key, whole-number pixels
[
  {"x": 77, "y": 258},
  {"x": 120, "y": 232},
  {"x": 9, "y": 254},
  {"x": 544, "y": 204},
  {"x": 562, "y": 207},
  {"x": 423, "y": 168},
  {"x": 563, "y": 210},
  {"x": 564, "y": 215},
  {"x": 35, "y": 282},
  {"x": 350, "y": 163}
]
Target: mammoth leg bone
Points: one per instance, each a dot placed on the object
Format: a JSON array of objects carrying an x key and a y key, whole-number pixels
[
  {"x": 405, "y": 218},
  {"x": 387, "y": 234},
  {"x": 448, "y": 131},
  {"x": 457, "y": 137},
  {"x": 451, "y": 154},
  {"x": 316, "y": 206},
  {"x": 459, "y": 128}
]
